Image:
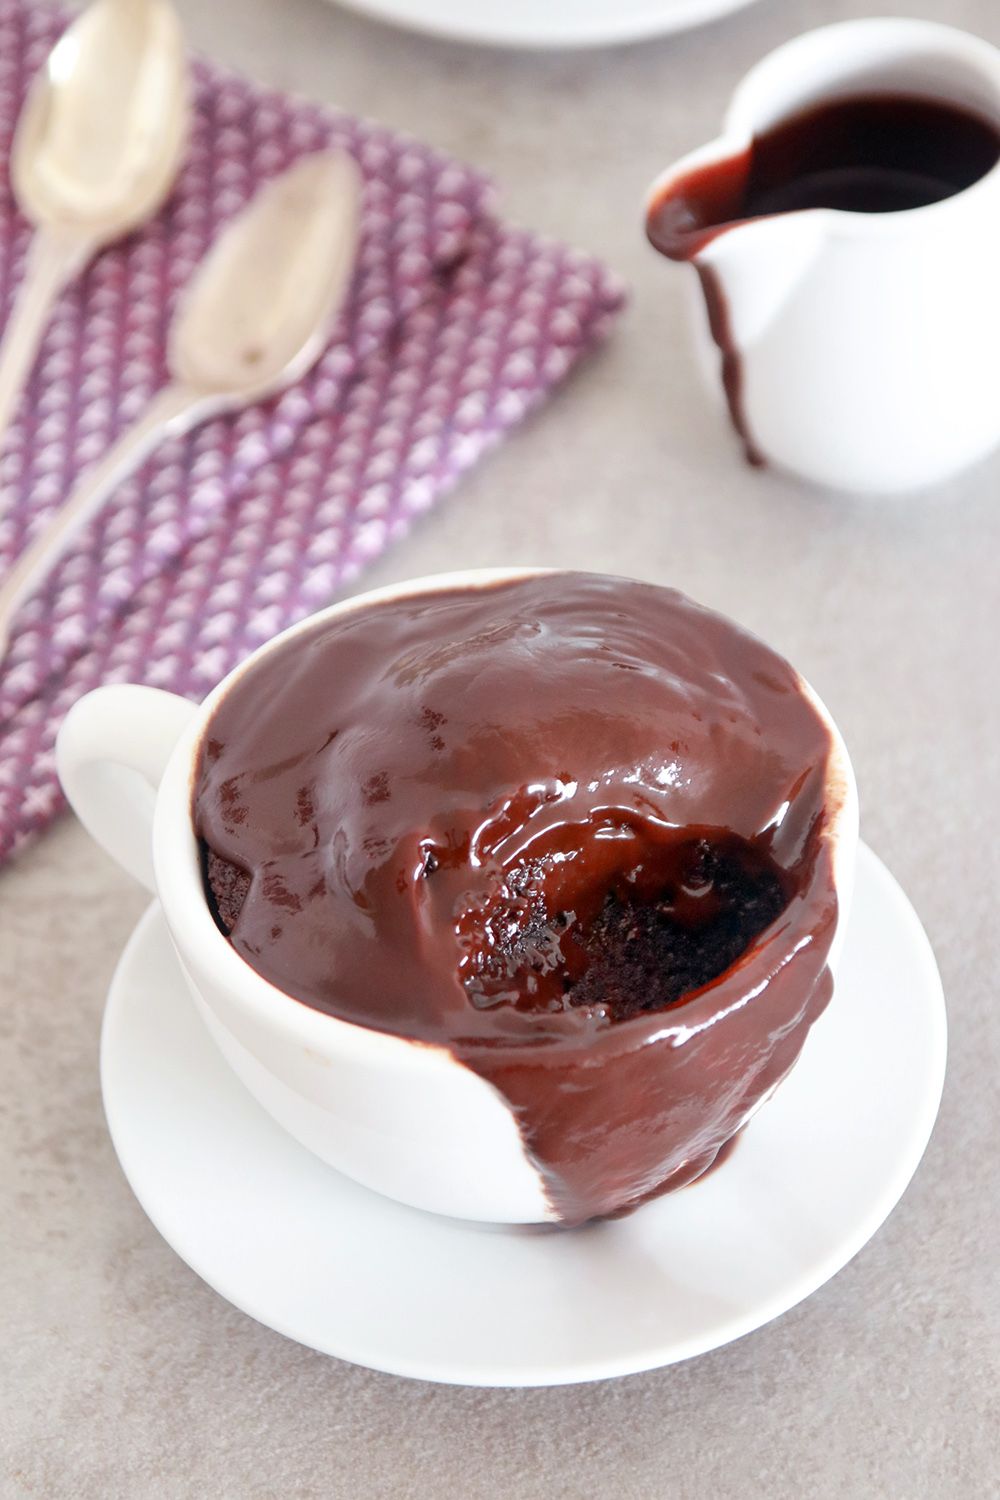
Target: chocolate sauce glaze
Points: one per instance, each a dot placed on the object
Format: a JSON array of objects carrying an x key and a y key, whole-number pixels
[{"x": 575, "y": 829}]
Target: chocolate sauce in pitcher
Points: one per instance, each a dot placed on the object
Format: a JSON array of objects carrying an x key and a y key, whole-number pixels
[{"x": 870, "y": 154}]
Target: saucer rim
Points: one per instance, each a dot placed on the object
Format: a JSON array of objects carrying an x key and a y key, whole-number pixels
[
  {"x": 504, "y": 1373},
  {"x": 623, "y": 26}
]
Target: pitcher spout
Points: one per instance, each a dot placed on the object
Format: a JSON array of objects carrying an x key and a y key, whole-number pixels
[
  {"x": 695, "y": 199},
  {"x": 696, "y": 212}
]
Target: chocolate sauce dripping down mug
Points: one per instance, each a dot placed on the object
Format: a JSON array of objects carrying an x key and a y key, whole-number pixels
[
  {"x": 859, "y": 349},
  {"x": 406, "y": 1117}
]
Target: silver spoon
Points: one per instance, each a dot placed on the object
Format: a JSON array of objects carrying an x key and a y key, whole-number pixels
[
  {"x": 97, "y": 148},
  {"x": 255, "y": 316}
]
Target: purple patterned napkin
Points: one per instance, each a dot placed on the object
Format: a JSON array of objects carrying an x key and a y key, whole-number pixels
[{"x": 456, "y": 327}]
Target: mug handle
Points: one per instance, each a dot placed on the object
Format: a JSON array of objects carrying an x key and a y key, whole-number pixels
[{"x": 111, "y": 752}]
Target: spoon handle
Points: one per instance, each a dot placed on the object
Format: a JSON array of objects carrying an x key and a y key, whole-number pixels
[
  {"x": 53, "y": 259},
  {"x": 172, "y": 411}
]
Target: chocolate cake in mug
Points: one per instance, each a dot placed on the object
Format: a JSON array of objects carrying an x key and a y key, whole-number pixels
[{"x": 576, "y": 830}]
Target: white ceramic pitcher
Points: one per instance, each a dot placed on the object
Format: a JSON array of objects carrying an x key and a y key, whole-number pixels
[{"x": 868, "y": 344}]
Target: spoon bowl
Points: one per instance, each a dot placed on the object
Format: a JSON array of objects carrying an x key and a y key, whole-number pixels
[
  {"x": 258, "y": 312},
  {"x": 97, "y": 148},
  {"x": 103, "y": 129}
]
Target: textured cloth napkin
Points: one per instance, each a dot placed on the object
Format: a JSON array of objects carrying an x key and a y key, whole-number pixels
[{"x": 457, "y": 325}]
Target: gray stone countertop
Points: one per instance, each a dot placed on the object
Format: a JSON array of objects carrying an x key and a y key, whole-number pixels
[{"x": 124, "y": 1376}]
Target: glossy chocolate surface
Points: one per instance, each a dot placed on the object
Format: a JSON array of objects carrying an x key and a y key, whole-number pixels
[{"x": 452, "y": 808}]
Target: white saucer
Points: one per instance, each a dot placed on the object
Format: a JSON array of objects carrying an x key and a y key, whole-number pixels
[
  {"x": 554, "y": 23},
  {"x": 328, "y": 1263}
]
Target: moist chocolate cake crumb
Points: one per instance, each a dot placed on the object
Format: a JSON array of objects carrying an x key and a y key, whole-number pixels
[
  {"x": 644, "y": 957},
  {"x": 227, "y": 886},
  {"x": 653, "y": 938}
]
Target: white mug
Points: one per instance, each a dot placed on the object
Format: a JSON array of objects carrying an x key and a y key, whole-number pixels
[
  {"x": 867, "y": 342},
  {"x": 405, "y": 1118}
]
